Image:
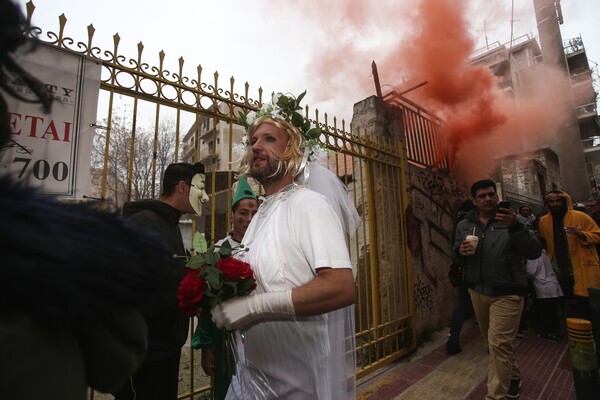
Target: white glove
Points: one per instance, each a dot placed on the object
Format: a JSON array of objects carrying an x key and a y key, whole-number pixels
[{"x": 245, "y": 310}]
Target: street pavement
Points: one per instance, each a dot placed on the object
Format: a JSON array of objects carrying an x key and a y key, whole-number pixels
[{"x": 433, "y": 375}]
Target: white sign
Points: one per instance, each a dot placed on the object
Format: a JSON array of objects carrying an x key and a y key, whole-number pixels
[{"x": 52, "y": 151}]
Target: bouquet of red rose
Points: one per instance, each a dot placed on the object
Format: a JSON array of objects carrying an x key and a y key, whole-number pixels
[{"x": 214, "y": 276}]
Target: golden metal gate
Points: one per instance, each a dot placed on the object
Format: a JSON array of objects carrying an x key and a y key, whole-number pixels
[{"x": 151, "y": 116}]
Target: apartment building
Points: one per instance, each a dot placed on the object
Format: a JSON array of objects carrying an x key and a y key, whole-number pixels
[
  {"x": 584, "y": 81},
  {"x": 518, "y": 67},
  {"x": 209, "y": 141}
]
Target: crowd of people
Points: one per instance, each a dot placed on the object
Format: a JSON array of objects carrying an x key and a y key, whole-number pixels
[{"x": 521, "y": 268}]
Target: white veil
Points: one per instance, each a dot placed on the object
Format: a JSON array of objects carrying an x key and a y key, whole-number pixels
[
  {"x": 341, "y": 328},
  {"x": 324, "y": 181}
]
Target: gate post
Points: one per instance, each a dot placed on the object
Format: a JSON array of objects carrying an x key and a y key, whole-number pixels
[{"x": 583, "y": 359}]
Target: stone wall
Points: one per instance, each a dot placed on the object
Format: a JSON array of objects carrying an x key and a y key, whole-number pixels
[
  {"x": 427, "y": 218},
  {"x": 433, "y": 202}
]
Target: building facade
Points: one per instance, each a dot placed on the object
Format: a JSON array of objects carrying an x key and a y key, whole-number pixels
[{"x": 524, "y": 177}]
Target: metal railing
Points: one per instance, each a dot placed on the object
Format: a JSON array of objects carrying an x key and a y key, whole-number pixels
[{"x": 371, "y": 165}]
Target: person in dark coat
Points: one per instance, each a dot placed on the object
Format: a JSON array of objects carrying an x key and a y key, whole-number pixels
[
  {"x": 465, "y": 307},
  {"x": 182, "y": 192},
  {"x": 74, "y": 282}
]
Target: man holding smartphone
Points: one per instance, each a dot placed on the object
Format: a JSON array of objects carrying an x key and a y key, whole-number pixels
[{"x": 494, "y": 269}]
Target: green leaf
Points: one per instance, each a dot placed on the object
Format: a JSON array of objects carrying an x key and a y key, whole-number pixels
[
  {"x": 314, "y": 133},
  {"x": 196, "y": 262},
  {"x": 299, "y": 99},
  {"x": 242, "y": 119},
  {"x": 199, "y": 243},
  {"x": 225, "y": 249},
  {"x": 306, "y": 126},
  {"x": 244, "y": 286},
  {"x": 214, "y": 278},
  {"x": 211, "y": 257},
  {"x": 229, "y": 290},
  {"x": 297, "y": 119}
]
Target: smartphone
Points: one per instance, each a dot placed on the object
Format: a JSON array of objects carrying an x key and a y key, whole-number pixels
[{"x": 504, "y": 204}]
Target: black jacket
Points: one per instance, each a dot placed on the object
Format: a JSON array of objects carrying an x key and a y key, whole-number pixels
[
  {"x": 498, "y": 266},
  {"x": 167, "y": 324}
]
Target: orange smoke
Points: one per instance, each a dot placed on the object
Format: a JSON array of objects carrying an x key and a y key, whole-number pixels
[
  {"x": 432, "y": 43},
  {"x": 463, "y": 96}
]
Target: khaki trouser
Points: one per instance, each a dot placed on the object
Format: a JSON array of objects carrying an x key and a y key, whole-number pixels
[{"x": 498, "y": 319}]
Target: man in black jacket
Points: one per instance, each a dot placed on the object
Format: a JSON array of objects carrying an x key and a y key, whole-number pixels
[
  {"x": 495, "y": 272},
  {"x": 182, "y": 192}
]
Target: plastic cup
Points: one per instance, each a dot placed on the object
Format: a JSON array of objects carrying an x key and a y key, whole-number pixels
[{"x": 474, "y": 241}]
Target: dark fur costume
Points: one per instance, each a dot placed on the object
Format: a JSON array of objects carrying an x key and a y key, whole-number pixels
[
  {"x": 73, "y": 285},
  {"x": 62, "y": 261},
  {"x": 74, "y": 282}
]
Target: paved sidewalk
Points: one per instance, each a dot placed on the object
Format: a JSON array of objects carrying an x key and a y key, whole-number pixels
[{"x": 545, "y": 369}]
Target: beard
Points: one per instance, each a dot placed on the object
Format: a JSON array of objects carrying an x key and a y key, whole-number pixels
[
  {"x": 558, "y": 211},
  {"x": 273, "y": 171}
]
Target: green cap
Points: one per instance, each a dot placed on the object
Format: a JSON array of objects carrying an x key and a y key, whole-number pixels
[{"x": 243, "y": 191}]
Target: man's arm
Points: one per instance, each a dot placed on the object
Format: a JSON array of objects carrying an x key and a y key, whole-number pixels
[
  {"x": 331, "y": 285},
  {"x": 331, "y": 289},
  {"x": 588, "y": 232},
  {"x": 526, "y": 243},
  {"x": 457, "y": 257}
]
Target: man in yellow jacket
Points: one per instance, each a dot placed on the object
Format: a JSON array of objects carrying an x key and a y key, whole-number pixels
[{"x": 571, "y": 236}]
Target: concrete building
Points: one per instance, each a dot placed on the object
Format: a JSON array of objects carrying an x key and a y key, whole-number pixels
[
  {"x": 584, "y": 79},
  {"x": 525, "y": 176},
  {"x": 211, "y": 140}
]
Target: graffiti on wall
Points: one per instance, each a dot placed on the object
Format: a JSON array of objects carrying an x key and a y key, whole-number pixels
[
  {"x": 438, "y": 184},
  {"x": 434, "y": 198},
  {"x": 423, "y": 295}
]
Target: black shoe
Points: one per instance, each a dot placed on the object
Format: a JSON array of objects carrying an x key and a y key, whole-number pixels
[
  {"x": 555, "y": 337},
  {"x": 520, "y": 334},
  {"x": 453, "y": 347},
  {"x": 514, "y": 389}
]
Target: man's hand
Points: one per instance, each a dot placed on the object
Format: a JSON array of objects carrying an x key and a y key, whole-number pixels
[
  {"x": 246, "y": 310},
  {"x": 506, "y": 216},
  {"x": 466, "y": 248},
  {"x": 208, "y": 361},
  {"x": 573, "y": 230}
]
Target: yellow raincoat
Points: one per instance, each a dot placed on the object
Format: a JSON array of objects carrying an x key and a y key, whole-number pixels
[{"x": 584, "y": 258}]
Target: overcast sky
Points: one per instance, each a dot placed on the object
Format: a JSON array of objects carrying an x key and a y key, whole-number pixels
[{"x": 276, "y": 44}]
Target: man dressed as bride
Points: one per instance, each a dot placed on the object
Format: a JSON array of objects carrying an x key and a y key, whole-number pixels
[{"x": 297, "y": 326}]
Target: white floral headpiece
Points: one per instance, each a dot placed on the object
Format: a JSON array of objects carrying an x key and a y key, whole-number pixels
[{"x": 286, "y": 107}]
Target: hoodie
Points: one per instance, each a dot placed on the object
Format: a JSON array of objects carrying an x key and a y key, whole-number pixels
[{"x": 581, "y": 252}]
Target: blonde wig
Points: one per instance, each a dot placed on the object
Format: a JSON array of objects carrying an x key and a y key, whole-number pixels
[{"x": 290, "y": 160}]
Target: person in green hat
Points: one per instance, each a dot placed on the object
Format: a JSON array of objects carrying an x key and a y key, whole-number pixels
[
  {"x": 243, "y": 208},
  {"x": 207, "y": 336}
]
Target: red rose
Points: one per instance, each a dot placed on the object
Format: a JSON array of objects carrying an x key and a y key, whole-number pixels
[
  {"x": 190, "y": 293},
  {"x": 234, "y": 269}
]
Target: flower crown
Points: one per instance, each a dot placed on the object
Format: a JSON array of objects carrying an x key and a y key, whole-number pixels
[{"x": 286, "y": 107}]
